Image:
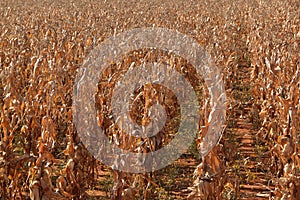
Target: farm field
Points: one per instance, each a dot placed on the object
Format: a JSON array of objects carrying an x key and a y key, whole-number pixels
[{"x": 44, "y": 47}]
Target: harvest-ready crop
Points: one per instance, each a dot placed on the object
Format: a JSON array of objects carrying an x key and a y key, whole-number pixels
[{"x": 254, "y": 44}]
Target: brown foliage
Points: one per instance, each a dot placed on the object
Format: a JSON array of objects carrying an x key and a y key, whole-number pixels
[{"x": 42, "y": 44}]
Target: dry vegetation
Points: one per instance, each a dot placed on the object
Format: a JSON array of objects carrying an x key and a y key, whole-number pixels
[{"x": 43, "y": 43}]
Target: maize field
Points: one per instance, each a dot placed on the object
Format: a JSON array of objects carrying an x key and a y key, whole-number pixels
[{"x": 255, "y": 45}]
